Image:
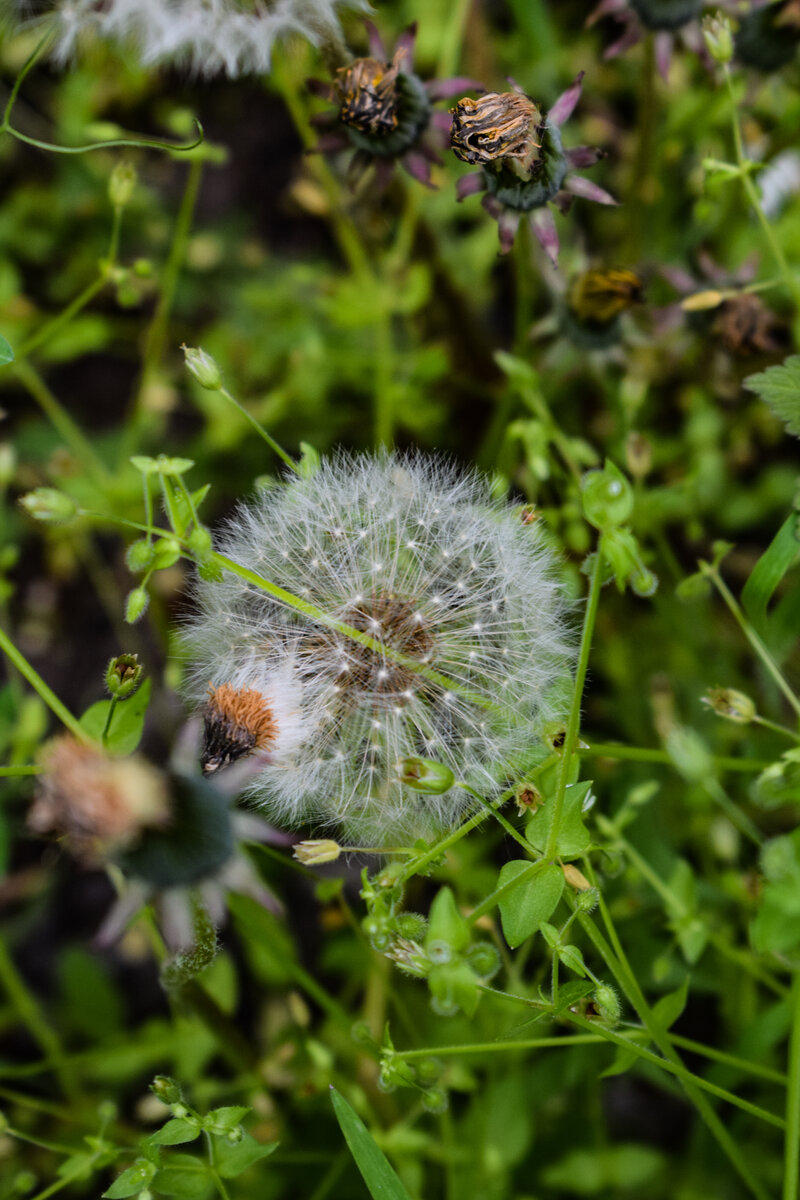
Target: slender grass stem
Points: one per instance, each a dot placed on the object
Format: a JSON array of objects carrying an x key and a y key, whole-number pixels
[
  {"x": 261, "y": 431},
  {"x": 573, "y": 724},
  {"x": 654, "y": 755},
  {"x": 30, "y": 1014},
  {"x": 755, "y": 641},
  {"x": 63, "y": 423}
]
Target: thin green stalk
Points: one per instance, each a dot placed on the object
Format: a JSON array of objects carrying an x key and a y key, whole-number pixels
[
  {"x": 747, "y": 629},
  {"x": 732, "y": 811},
  {"x": 39, "y": 685},
  {"x": 63, "y": 423},
  {"x": 261, "y": 431},
  {"x": 492, "y": 811},
  {"x": 618, "y": 964},
  {"x": 743, "y": 162},
  {"x": 791, "y": 1178},
  {"x": 776, "y": 727},
  {"x": 646, "y": 754},
  {"x": 75, "y": 306},
  {"x": 729, "y": 1060},
  {"x": 28, "y": 769},
  {"x": 573, "y": 724},
  {"x": 444, "y": 844},
  {"x": 109, "y": 719},
  {"x": 29, "y": 1013}
]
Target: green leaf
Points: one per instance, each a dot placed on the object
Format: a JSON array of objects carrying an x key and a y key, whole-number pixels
[
  {"x": 127, "y": 723},
  {"x": 532, "y": 901},
  {"x": 781, "y": 554},
  {"x": 175, "y": 1133},
  {"x": 667, "y": 1010},
  {"x": 624, "y": 1059},
  {"x": 573, "y": 836},
  {"x": 6, "y": 353},
  {"x": 184, "y": 1176},
  {"x": 603, "y": 1171},
  {"x": 571, "y": 993},
  {"x": 231, "y": 1158},
  {"x": 228, "y": 1117},
  {"x": 446, "y": 923},
  {"x": 779, "y": 387},
  {"x": 379, "y": 1176},
  {"x": 131, "y": 1181}
]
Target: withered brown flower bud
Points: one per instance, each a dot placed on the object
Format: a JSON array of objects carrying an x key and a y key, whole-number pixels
[
  {"x": 498, "y": 127},
  {"x": 368, "y": 95}
]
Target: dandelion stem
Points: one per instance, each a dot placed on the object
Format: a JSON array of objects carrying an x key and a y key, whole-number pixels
[{"x": 573, "y": 724}]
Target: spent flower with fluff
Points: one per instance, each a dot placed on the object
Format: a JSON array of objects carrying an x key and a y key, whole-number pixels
[
  {"x": 205, "y": 36},
  {"x": 524, "y": 166},
  {"x": 429, "y": 624}
]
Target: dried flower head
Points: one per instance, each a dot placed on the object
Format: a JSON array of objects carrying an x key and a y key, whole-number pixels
[
  {"x": 98, "y": 803},
  {"x": 206, "y": 36},
  {"x": 436, "y": 632},
  {"x": 524, "y": 165},
  {"x": 595, "y": 302},
  {"x": 384, "y": 111},
  {"x": 236, "y": 722}
]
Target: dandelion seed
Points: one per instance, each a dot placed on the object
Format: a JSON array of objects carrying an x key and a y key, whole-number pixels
[{"x": 416, "y": 686}]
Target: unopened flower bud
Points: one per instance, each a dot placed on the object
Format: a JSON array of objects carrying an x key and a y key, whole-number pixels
[
  {"x": 606, "y": 1001},
  {"x": 718, "y": 38},
  {"x": 166, "y": 1089},
  {"x": 121, "y": 184},
  {"x": 528, "y": 799},
  {"x": 730, "y": 704},
  {"x": 425, "y": 775},
  {"x": 638, "y": 454},
  {"x": 136, "y": 605},
  {"x": 203, "y": 367},
  {"x": 575, "y": 878},
  {"x": 314, "y": 852},
  {"x": 607, "y": 497},
  {"x": 48, "y": 504},
  {"x": 123, "y": 675}
]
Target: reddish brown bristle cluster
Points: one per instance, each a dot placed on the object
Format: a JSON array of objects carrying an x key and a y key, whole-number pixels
[{"x": 238, "y": 721}]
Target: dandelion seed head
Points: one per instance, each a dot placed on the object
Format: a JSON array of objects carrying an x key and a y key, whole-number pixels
[{"x": 459, "y": 658}]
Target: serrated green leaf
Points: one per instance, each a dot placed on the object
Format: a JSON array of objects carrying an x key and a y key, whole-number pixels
[
  {"x": 532, "y": 901},
  {"x": 126, "y": 724},
  {"x": 175, "y": 1133},
  {"x": 376, "y": 1171},
  {"x": 232, "y": 1158},
  {"x": 779, "y": 387},
  {"x": 6, "y": 353},
  {"x": 573, "y": 836}
]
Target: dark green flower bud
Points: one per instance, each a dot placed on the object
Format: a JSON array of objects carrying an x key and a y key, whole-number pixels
[{"x": 123, "y": 675}]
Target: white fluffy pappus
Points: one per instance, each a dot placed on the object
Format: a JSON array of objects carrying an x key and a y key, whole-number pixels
[
  {"x": 204, "y": 36},
  {"x": 470, "y": 646}
]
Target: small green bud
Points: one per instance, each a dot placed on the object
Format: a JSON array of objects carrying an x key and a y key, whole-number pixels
[
  {"x": 607, "y": 497},
  {"x": 428, "y": 1070},
  {"x": 199, "y": 542},
  {"x": 23, "y": 1182},
  {"x": 166, "y": 553},
  {"x": 435, "y": 1100},
  {"x": 424, "y": 775},
  {"x": 166, "y": 1089},
  {"x": 123, "y": 675},
  {"x": 718, "y": 38},
  {"x": 411, "y": 925},
  {"x": 139, "y": 555},
  {"x": 136, "y": 605},
  {"x": 730, "y": 704},
  {"x": 48, "y": 504},
  {"x": 235, "y": 1135},
  {"x": 484, "y": 959},
  {"x": 606, "y": 1001},
  {"x": 107, "y": 1111},
  {"x": 143, "y": 268},
  {"x": 121, "y": 184},
  {"x": 587, "y": 901},
  {"x": 203, "y": 367}
]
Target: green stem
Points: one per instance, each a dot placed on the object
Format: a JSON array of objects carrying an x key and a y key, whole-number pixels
[
  {"x": 646, "y": 754},
  {"x": 792, "y": 1144},
  {"x": 28, "y": 769},
  {"x": 755, "y": 641},
  {"x": 39, "y": 685},
  {"x": 492, "y": 811},
  {"x": 63, "y": 423},
  {"x": 273, "y": 445},
  {"x": 574, "y": 721},
  {"x": 776, "y": 727},
  {"x": 789, "y": 278},
  {"x": 109, "y": 719},
  {"x": 29, "y": 1013}
]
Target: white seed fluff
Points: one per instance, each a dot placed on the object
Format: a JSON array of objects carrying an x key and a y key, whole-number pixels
[
  {"x": 469, "y": 646},
  {"x": 204, "y": 36}
]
